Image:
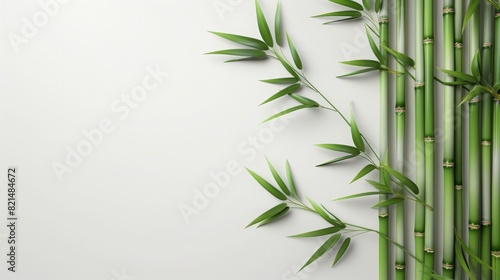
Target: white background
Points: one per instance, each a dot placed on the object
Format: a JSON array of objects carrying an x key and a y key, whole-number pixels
[{"x": 116, "y": 215}]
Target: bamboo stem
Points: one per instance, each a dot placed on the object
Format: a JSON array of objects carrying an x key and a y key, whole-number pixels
[
  {"x": 419, "y": 137},
  {"x": 384, "y": 139},
  {"x": 448, "y": 160}
]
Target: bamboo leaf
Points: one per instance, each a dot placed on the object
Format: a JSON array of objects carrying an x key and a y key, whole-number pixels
[
  {"x": 266, "y": 185},
  {"x": 471, "y": 9},
  {"x": 389, "y": 202},
  {"x": 336, "y": 160},
  {"x": 403, "y": 179},
  {"x": 349, "y": 14},
  {"x": 246, "y": 59},
  {"x": 363, "y": 63},
  {"x": 277, "y": 178},
  {"x": 379, "y": 186},
  {"x": 287, "y": 111},
  {"x": 356, "y": 135},
  {"x": 243, "y": 40},
  {"x": 367, "y": 4},
  {"x": 365, "y": 171},
  {"x": 340, "y": 20},
  {"x": 323, "y": 249},
  {"x": 349, "y": 4},
  {"x": 400, "y": 57},
  {"x": 459, "y": 75},
  {"x": 342, "y": 250},
  {"x": 304, "y": 100},
  {"x": 277, "y": 24},
  {"x": 358, "y": 195},
  {"x": 358, "y": 72},
  {"x": 324, "y": 215},
  {"x": 268, "y": 214},
  {"x": 241, "y": 52},
  {"x": 291, "y": 181},
  {"x": 288, "y": 68},
  {"x": 342, "y": 225},
  {"x": 282, "y": 93},
  {"x": 473, "y": 93},
  {"x": 374, "y": 47},
  {"x": 316, "y": 233},
  {"x": 263, "y": 27},
  {"x": 295, "y": 54},
  {"x": 476, "y": 66},
  {"x": 281, "y": 81},
  {"x": 496, "y": 87},
  {"x": 340, "y": 148},
  {"x": 275, "y": 217},
  {"x": 462, "y": 261},
  {"x": 472, "y": 255}
]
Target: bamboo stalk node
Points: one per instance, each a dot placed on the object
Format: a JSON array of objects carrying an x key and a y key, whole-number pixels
[
  {"x": 383, "y": 20},
  {"x": 487, "y": 45},
  {"x": 497, "y": 15},
  {"x": 448, "y": 11},
  {"x": 400, "y": 110},
  {"x": 448, "y": 266},
  {"x": 419, "y": 234},
  {"x": 383, "y": 215},
  {"x": 474, "y": 227},
  {"x": 419, "y": 84},
  {"x": 429, "y": 139},
  {"x": 486, "y": 223},
  {"x": 458, "y": 187},
  {"x": 429, "y": 250},
  {"x": 459, "y": 45},
  {"x": 486, "y": 143},
  {"x": 400, "y": 267},
  {"x": 428, "y": 41},
  {"x": 448, "y": 164},
  {"x": 474, "y": 100},
  {"x": 495, "y": 254}
]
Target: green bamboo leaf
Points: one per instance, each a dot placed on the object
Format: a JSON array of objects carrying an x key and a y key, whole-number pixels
[
  {"x": 268, "y": 214},
  {"x": 358, "y": 195},
  {"x": 266, "y": 185},
  {"x": 476, "y": 66},
  {"x": 304, "y": 100},
  {"x": 356, "y": 135},
  {"x": 400, "y": 57},
  {"x": 473, "y": 93},
  {"x": 378, "y": 3},
  {"x": 403, "y": 179},
  {"x": 340, "y": 20},
  {"x": 283, "y": 92},
  {"x": 365, "y": 171},
  {"x": 263, "y": 27},
  {"x": 291, "y": 181},
  {"x": 316, "y": 233},
  {"x": 323, "y": 249},
  {"x": 374, "y": 47},
  {"x": 349, "y": 4},
  {"x": 389, "y": 202},
  {"x": 241, "y": 52},
  {"x": 342, "y": 225},
  {"x": 277, "y": 24},
  {"x": 287, "y": 111},
  {"x": 470, "y": 11},
  {"x": 324, "y": 215},
  {"x": 350, "y": 14},
  {"x": 246, "y": 59},
  {"x": 288, "y": 68},
  {"x": 295, "y": 54},
  {"x": 367, "y": 4},
  {"x": 496, "y": 87},
  {"x": 379, "y": 186},
  {"x": 243, "y": 40},
  {"x": 472, "y": 255},
  {"x": 437, "y": 276},
  {"x": 342, "y": 250},
  {"x": 375, "y": 32},
  {"x": 459, "y": 75},
  {"x": 277, "y": 178},
  {"x": 281, "y": 81},
  {"x": 336, "y": 160},
  {"x": 462, "y": 261},
  {"x": 358, "y": 72},
  {"x": 363, "y": 63},
  {"x": 340, "y": 148},
  {"x": 275, "y": 217}
]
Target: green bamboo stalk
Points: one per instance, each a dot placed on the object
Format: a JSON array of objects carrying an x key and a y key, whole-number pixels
[
  {"x": 495, "y": 214},
  {"x": 459, "y": 217},
  {"x": 400, "y": 134},
  {"x": 486, "y": 111},
  {"x": 384, "y": 140},
  {"x": 474, "y": 157},
  {"x": 448, "y": 159},
  {"x": 429, "y": 134},
  {"x": 419, "y": 137}
]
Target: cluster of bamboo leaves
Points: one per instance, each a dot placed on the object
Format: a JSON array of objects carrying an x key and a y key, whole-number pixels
[{"x": 394, "y": 188}]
